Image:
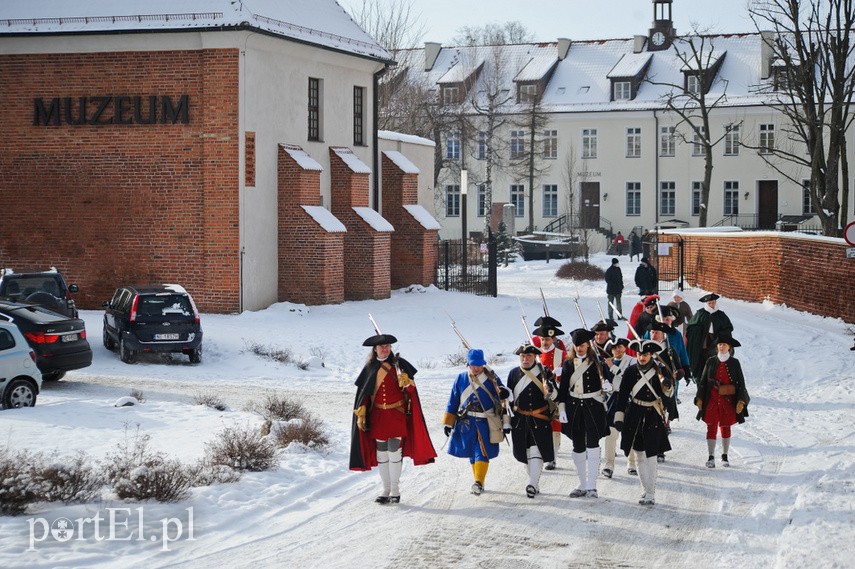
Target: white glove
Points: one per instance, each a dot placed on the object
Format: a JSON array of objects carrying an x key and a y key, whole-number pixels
[
  {"x": 562, "y": 417},
  {"x": 607, "y": 387}
]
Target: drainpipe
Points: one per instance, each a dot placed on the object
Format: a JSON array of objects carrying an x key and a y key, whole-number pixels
[
  {"x": 656, "y": 162},
  {"x": 375, "y": 122}
]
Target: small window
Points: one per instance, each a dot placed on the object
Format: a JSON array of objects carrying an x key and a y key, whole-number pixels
[
  {"x": 731, "y": 198},
  {"x": 527, "y": 93},
  {"x": 358, "y": 116},
  {"x": 550, "y": 144},
  {"x": 633, "y": 198},
  {"x": 314, "y": 109},
  {"x": 633, "y": 143},
  {"x": 589, "y": 143},
  {"x": 451, "y": 95},
  {"x": 807, "y": 203},
  {"x": 518, "y": 199},
  {"x": 697, "y": 142},
  {"x": 452, "y": 201},
  {"x": 667, "y": 141},
  {"x": 482, "y": 200},
  {"x": 517, "y": 144},
  {"x": 731, "y": 140},
  {"x": 767, "y": 138},
  {"x": 693, "y": 84},
  {"x": 622, "y": 91},
  {"x": 667, "y": 198},
  {"x": 481, "y": 146},
  {"x": 697, "y": 187},
  {"x": 452, "y": 146},
  {"x": 550, "y": 200}
]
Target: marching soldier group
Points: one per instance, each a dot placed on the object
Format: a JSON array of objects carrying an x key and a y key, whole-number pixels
[{"x": 600, "y": 387}]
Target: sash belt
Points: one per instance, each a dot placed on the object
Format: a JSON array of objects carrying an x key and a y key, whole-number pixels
[
  {"x": 643, "y": 403},
  {"x": 537, "y": 413},
  {"x": 395, "y": 405}
]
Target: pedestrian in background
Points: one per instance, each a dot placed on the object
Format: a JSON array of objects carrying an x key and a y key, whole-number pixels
[
  {"x": 614, "y": 287},
  {"x": 646, "y": 278},
  {"x": 634, "y": 245},
  {"x": 684, "y": 311}
]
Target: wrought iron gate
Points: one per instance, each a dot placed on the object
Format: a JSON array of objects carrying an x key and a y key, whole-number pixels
[
  {"x": 675, "y": 260},
  {"x": 468, "y": 268}
]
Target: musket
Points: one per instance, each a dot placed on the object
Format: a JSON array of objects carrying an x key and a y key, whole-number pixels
[
  {"x": 374, "y": 323},
  {"x": 600, "y": 310},
  {"x": 579, "y": 309},
  {"x": 543, "y": 300},
  {"x": 631, "y": 329},
  {"x": 527, "y": 334}
]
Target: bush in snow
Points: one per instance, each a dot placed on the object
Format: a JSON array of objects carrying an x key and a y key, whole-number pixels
[
  {"x": 275, "y": 407},
  {"x": 307, "y": 430},
  {"x": 76, "y": 481},
  {"x": 207, "y": 474},
  {"x": 211, "y": 400},
  {"x": 580, "y": 271},
  {"x": 281, "y": 355},
  {"x": 457, "y": 359},
  {"x": 241, "y": 449},
  {"x": 138, "y": 473},
  {"x": 19, "y": 484}
]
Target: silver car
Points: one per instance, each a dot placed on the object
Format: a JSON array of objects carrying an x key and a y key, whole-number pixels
[{"x": 20, "y": 379}]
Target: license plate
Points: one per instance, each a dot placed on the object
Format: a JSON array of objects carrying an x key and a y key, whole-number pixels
[
  {"x": 166, "y": 336},
  {"x": 68, "y": 338}
]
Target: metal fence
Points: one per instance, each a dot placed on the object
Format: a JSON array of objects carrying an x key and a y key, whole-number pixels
[
  {"x": 675, "y": 260},
  {"x": 468, "y": 268}
]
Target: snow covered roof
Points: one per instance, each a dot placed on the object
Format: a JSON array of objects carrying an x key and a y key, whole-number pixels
[
  {"x": 422, "y": 216},
  {"x": 319, "y": 22},
  {"x": 302, "y": 158},
  {"x": 325, "y": 218},
  {"x": 352, "y": 161},
  {"x": 581, "y": 82},
  {"x": 402, "y": 162},
  {"x": 408, "y": 138},
  {"x": 705, "y": 60},
  {"x": 537, "y": 67},
  {"x": 374, "y": 219}
]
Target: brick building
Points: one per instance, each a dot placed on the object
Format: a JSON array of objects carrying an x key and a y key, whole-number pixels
[{"x": 201, "y": 143}]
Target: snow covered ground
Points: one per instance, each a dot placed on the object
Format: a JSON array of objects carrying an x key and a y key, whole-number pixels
[{"x": 788, "y": 499}]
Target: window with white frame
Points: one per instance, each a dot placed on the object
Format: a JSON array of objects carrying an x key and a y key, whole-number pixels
[
  {"x": 452, "y": 146},
  {"x": 622, "y": 91},
  {"x": 693, "y": 84},
  {"x": 589, "y": 143},
  {"x": 550, "y": 144},
  {"x": 731, "y": 140},
  {"x": 481, "y": 146},
  {"x": 517, "y": 144},
  {"x": 807, "y": 203},
  {"x": 697, "y": 141},
  {"x": 450, "y": 95},
  {"x": 482, "y": 200},
  {"x": 767, "y": 138},
  {"x": 527, "y": 92},
  {"x": 550, "y": 200},
  {"x": 633, "y": 198},
  {"x": 633, "y": 142},
  {"x": 452, "y": 200},
  {"x": 731, "y": 198},
  {"x": 518, "y": 199},
  {"x": 697, "y": 188},
  {"x": 667, "y": 141},
  {"x": 667, "y": 198}
]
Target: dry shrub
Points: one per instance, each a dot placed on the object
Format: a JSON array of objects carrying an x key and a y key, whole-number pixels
[
  {"x": 207, "y": 474},
  {"x": 281, "y": 355},
  {"x": 76, "y": 481},
  {"x": 307, "y": 431},
  {"x": 241, "y": 448},
  {"x": 139, "y": 473},
  {"x": 275, "y": 407},
  {"x": 19, "y": 486},
  {"x": 457, "y": 359},
  {"x": 580, "y": 271},
  {"x": 211, "y": 400}
]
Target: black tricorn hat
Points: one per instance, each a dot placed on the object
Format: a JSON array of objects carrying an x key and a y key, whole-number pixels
[
  {"x": 379, "y": 340},
  {"x": 547, "y": 321},
  {"x": 726, "y": 338},
  {"x": 604, "y": 326},
  {"x": 709, "y": 297},
  {"x": 579, "y": 336},
  {"x": 546, "y": 331},
  {"x": 617, "y": 341},
  {"x": 669, "y": 311},
  {"x": 645, "y": 346},
  {"x": 661, "y": 327},
  {"x": 527, "y": 348}
]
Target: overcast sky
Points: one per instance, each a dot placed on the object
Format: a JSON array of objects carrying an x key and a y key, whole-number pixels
[{"x": 576, "y": 19}]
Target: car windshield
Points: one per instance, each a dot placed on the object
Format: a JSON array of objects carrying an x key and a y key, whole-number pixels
[
  {"x": 22, "y": 287},
  {"x": 164, "y": 305}
]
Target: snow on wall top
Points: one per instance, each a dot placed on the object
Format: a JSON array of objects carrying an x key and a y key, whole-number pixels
[
  {"x": 408, "y": 138},
  {"x": 422, "y": 216},
  {"x": 320, "y": 22},
  {"x": 300, "y": 156},
  {"x": 325, "y": 218},
  {"x": 374, "y": 219},
  {"x": 352, "y": 161},
  {"x": 402, "y": 162}
]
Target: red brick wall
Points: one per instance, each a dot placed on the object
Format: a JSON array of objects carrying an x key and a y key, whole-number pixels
[
  {"x": 414, "y": 248},
  {"x": 311, "y": 260},
  {"x": 803, "y": 272},
  {"x": 117, "y": 204}
]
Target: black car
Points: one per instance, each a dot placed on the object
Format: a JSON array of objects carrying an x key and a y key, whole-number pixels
[
  {"x": 152, "y": 318},
  {"x": 59, "y": 342},
  {"x": 45, "y": 288}
]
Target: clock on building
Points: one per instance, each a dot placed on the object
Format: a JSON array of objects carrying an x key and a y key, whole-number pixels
[{"x": 658, "y": 38}]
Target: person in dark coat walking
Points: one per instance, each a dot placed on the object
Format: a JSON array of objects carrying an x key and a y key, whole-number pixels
[
  {"x": 634, "y": 245},
  {"x": 531, "y": 387},
  {"x": 646, "y": 278},
  {"x": 614, "y": 287},
  {"x": 707, "y": 323},
  {"x": 640, "y": 415},
  {"x": 388, "y": 423},
  {"x": 722, "y": 398},
  {"x": 585, "y": 383}
]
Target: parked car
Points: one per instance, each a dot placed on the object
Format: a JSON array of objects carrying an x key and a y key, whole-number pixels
[
  {"x": 45, "y": 288},
  {"x": 152, "y": 318},
  {"x": 20, "y": 379},
  {"x": 59, "y": 342}
]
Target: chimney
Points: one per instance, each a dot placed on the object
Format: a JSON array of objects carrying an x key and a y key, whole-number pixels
[
  {"x": 563, "y": 47},
  {"x": 431, "y": 53},
  {"x": 767, "y": 52},
  {"x": 638, "y": 43}
]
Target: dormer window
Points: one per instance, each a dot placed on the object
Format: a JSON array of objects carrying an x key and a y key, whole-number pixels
[
  {"x": 527, "y": 92},
  {"x": 622, "y": 90},
  {"x": 700, "y": 70},
  {"x": 693, "y": 84},
  {"x": 451, "y": 95}
]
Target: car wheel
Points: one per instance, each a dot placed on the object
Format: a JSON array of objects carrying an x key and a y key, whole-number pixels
[
  {"x": 196, "y": 355},
  {"x": 19, "y": 393},
  {"x": 108, "y": 341},
  {"x": 126, "y": 354},
  {"x": 53, "y": 376}
]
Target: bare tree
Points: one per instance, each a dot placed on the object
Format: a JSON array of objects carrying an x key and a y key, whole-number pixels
[
  {"x": 813, "y": 86},
  {"x": 527, "y": 161},
  {"x": 692, "y": 102},
  {"x": 394, "y": 24},
  {"x": 493, "y": 34}
]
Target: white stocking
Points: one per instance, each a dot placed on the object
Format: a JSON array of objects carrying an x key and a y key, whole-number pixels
[
  {"x": 581, "y": 471},
  {"x": 396, "y": 463},
  {"x": 383, "y": 468},
  {"x": 593, "y": 467},
  {"x": 535, "y": 466}
]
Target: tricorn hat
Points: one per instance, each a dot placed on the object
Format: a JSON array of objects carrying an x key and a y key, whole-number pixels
[
  {"x": 661, "y": 327},
  {"x": 604, "y": 326},
  {"x": 476, "y": 358},
  {"x": 547, "y": 331},
  {"x": 579, "y": 336},
  {"x": 527, "y": 348},
  {"x": 709, "y": 297},
  {"x": 379, "y": 340},
  {"x": 726, "y": 338},
  {"x": 645, "y": 346},
  {"x": 618, "y": 342},
  {"x": 669, "y": 311},
  {"x": 547, "y": 321}
]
